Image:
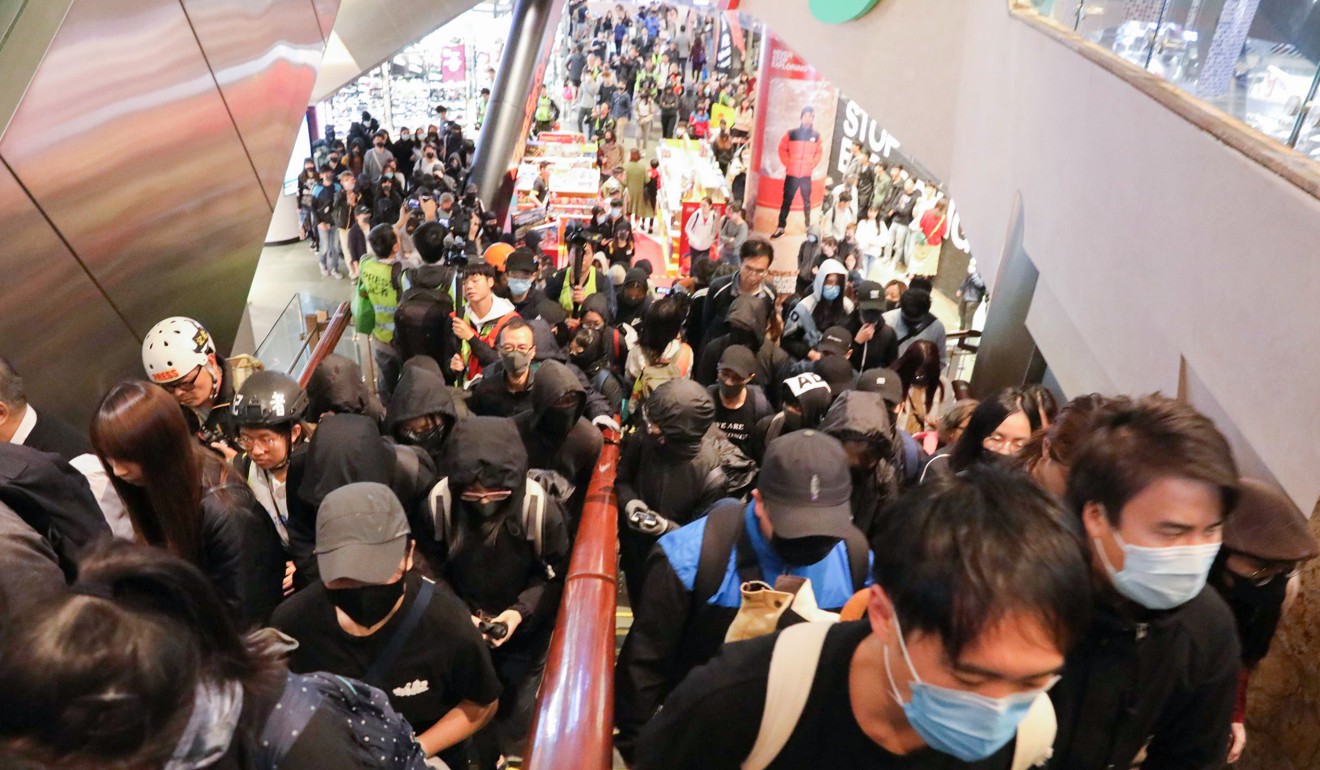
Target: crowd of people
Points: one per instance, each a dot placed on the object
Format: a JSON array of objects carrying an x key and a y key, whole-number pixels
[{"x": 834, "y": 554}]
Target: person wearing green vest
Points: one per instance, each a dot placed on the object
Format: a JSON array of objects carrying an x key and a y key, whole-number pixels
[
  {"x": 582, "y": 278},
  {"x": 545, "y": 112},
  {"x": 483, "y": 103},
  {"x": 378, "y": 282}
]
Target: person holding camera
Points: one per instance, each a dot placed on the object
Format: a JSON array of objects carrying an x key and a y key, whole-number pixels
[{"x": 582, "y": 278}]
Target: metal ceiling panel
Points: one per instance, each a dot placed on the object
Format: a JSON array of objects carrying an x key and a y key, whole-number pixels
[
  {"x": 124, "y": 141},
  {"x": 57, "y": 328},
  {"x": 264, "y": 55}
]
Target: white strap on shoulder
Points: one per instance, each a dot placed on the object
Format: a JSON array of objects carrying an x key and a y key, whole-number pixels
[
  {"x": 440, "y": 510},
  {"x": 1035, "y": 734},
  {"x": 792, "y": 672},
  {"x": 534, "y": 515}
]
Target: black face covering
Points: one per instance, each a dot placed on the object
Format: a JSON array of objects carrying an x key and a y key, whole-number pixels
[
  {"x": 555, "y": 424},
  {"x": 792, "y": 421},
  {"x": 432, "y": 440},
  {"x": 871, "y": 316},
  {"x": 366, "y": 605},
  {"x": 584, "y": 360},
  {"x": 731, "y": 392},
  {"x": 744, "y": 337},
  {"x": 483, "y": 511},
  {"x": 1256, "y": 610},
  {"x": 803, "y": 551}
]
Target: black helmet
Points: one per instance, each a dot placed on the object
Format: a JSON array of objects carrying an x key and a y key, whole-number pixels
[{"x": 269, "y": 400}]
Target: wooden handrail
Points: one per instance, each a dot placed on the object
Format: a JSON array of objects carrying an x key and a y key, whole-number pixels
[
  {"x": 328, "y": 342},
  {"x": 574, "y": 723}
]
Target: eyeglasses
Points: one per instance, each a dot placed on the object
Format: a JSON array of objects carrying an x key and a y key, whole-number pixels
[
  {"x": 517, "y": 348},
  {"x": 757, "y": 271},
  {"x": 1270, "y": 570},
  {"x": 246, "y": 443},
  {"x": 183, "y": 383},
  {"x": 487, "y": 497},
  {"x": 1000, "y": 440}
]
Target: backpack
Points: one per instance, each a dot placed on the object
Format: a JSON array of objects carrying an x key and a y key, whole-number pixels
[
  {"x": 384, "y": 739},
  {"x": 912, "y": 464},
  {"x": 655, "y": 375},
  {"x": 793, "y": 666},
  {"x": 422, "y": 326},
  {"x": 725, "y": 536},
  {"x": 533, "y": 513}
]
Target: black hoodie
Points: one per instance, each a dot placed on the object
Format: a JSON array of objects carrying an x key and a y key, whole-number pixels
[
  {"x": 337, "y": 387},
  {"x": 571, "y": 454},
  {"x": 348, "y": 448},
  {"x": 679, "y": 475},
  {"x": 418, "y": 394},
  {"x": 632, "y": 313},
  {"x": 813, "y": 404},
  {"x": 491, "y": 396},
  {"x": 860, "y": 415},
  {"x": 748, "y": 320},
  {"x": 491, "y": 563}
]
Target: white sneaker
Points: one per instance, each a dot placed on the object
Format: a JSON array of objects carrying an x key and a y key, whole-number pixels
[
  {"x": 325, "y": 271},
  {"x": 335, "y": 274}
]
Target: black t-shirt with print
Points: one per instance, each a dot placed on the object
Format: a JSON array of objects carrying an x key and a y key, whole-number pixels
[
  {"x": 710, "y": 721},
  {"x": 444, "y": 662},
  {"x": 737, "y": 423}
]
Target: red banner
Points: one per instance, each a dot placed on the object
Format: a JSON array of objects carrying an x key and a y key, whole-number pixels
[{"x": 453, "y": 63}]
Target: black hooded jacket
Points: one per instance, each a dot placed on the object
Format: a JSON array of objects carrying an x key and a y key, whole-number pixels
[
  {"x": 418, "y": 394},
  {"x": 813, "y": 403},
  {"x": 554, "y": 442},
  {"x": 615, "y": 343},
  {"x": 748, "y": 320},
  {"x": 860, "y": 415},
  {"x": 632, "y": 313},
  {"x": 491, "y": 563},
  {"x": 337, "y": 387},
  {"x": 345, "y": 449}
]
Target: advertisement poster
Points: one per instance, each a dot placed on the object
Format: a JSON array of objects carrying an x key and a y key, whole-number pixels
[
  {"x": 795, "y": 121},
  {"x": 453, "y": 63}
]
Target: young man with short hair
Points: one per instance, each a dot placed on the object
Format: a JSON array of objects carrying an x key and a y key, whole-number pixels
[
  {"x": 379, "y": 282},
  {"x": 755, "y": 257},
  {"x": 484, "y": 317},
  {"x": 1158, "y": 668},
  {"x": 799, "y": 150},
  {"x": 980, "y": 591},
  {"x": 440, "y": 676}
]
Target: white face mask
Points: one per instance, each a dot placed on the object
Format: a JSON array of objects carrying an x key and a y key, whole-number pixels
[{"x": 1160, "y": 578}]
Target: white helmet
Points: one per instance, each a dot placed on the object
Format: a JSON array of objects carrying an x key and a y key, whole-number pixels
[{"x": 175, "y": 347}]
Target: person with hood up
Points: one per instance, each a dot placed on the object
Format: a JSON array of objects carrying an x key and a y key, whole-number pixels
[
  {"x": 338, "y": 387},
  {"x": 590, "y": 352},
  {"x": 671, "y": 471},
  {"x": 826, "y": 306},
  {"x": 556, "y": 435},
  {"x": 860, "y": 421},
  {"x": 422, "y": 413},
  {"x": 805, "y": 397},
  {"x": 634, "y": 298},
  {"x": 505, "y": 545},
  {"x": 808, "y": 259},
  {"x": 346, "y": 449},
  {"x": 616, "y": 340},
  {"x": 747, "y": 323}
]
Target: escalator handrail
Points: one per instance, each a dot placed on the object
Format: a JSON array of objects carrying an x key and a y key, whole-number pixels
[
  {"x": 328, "y": 342},
  {"x": 574, "y": 722}
]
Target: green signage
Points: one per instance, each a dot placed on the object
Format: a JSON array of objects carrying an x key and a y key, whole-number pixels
[{"x": 839, "y": 11}]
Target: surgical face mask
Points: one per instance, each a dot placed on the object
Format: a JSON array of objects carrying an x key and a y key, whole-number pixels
[
  {"x": 831, "y": 293},
  {"x": 615, "y": 213},
  {"x": 963, "y": 724},
  {"x": 515, "y": 362},
  {"x": 366, "y": 605},
  {"x": 803, "y": 551},
  {"x": 1160, "y": 578},
  {"x": 520, "y": 286}
]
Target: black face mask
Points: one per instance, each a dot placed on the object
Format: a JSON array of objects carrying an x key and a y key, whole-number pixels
[
  {"x": 366, "y": 605},
  {"x": 792, "y": 421},
  {"x": 731, "y": 392},
  {"x": 871, "y": 316},
  {"x": 912, "y": 322},
  {"x": 483, "y": 511},
  {"x": 1244, "y": 593},
  {"x": 584, "y": 361},
  {"x": 803, "y": 551},
  {"x": 890, "y": 305},
  {"x": 556, "y": 424},
  {"x": 432, "y": 440}
]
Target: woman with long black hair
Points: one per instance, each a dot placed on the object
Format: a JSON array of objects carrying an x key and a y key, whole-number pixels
[
  {"x": 999, "y": 427},
  {"x": 926, "y": 394},
  {"x": 185, "y": 499}
]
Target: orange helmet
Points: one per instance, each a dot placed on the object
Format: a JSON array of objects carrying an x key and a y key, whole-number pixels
[{"x": 497, "y": 254}]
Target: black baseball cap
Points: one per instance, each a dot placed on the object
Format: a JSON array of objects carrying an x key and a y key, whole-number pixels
[
  {"x": 522, "y": 260},
  {"x": 870, "y": 296},
  {"x": 740, "y": 359},
  {"x": 360, "y": 210},
  {"x": 836, "y": 340},
  {"x": 882, "y": 381},
  {"x": 806, "y": 486},
  {"x": 361, "y": 533}
]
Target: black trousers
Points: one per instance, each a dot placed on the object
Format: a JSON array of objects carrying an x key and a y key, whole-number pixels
[{"x": 794, "y": 185}]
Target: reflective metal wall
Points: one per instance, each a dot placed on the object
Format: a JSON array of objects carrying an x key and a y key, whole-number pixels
[{"x": 141, "y": 165}]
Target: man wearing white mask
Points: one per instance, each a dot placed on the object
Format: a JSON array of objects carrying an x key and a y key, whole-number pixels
[
  {"x": 1158, "y": 668},
  {"x": 979, "y": 592}
]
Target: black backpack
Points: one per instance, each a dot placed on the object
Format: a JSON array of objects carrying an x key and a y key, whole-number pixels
[{"x": 422, "y": 325}]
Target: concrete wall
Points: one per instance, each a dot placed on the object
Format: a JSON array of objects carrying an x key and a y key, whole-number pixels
[{"x": 1163, "y": 254}]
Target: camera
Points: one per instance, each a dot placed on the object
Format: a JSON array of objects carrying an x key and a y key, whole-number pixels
[{"x": 493, "y": 630}]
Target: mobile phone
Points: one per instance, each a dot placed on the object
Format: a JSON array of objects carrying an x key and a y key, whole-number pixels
[{"x": 414, "y": 204}]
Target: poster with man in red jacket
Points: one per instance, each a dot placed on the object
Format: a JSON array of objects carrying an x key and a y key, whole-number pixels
[{"x": 800, "y": 150}]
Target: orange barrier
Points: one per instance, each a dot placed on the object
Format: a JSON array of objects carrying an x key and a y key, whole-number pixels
[
  {"x": 574, "y": 723},
  {"x": 329, "y": 341}
]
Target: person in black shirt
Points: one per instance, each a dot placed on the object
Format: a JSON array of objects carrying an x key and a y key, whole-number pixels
[
  {"x": 441, "y": 679},
  {"x": 979, "y": 594},
  {"x": 739, "y": 404}
]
